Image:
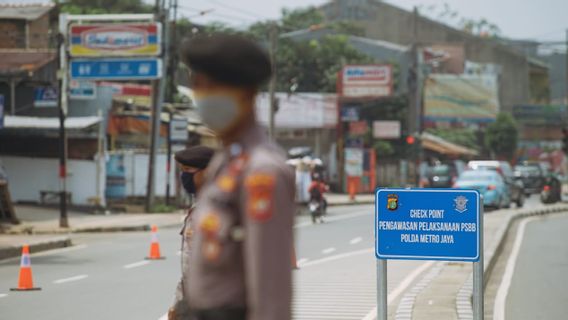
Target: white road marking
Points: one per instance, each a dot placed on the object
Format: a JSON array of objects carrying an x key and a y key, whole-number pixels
[
  {"x": 136, "y": 264},
  {"x": 328, "y": 250},
  {"x": 70, "y": 279},
  {"x": 372, "y": 315},
  {"x": 302, "y": 261},
  {"x": 337, "y": 218},
  {"x": 355, "y": 240},
  {"x": 48, "y": 252},
  {"x": 2, "y": 295},
  {"x": 338, "y": 256},
  {"x": 501, "y": 298}
]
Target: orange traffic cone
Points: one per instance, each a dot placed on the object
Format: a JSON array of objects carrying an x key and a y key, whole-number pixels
[
  {"x": 294, "y": 261},
  {"x": 155, "y": 246},
  {"x": 25, "y": 282}
]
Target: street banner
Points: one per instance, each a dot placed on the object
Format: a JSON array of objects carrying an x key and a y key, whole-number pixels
[
  {"x": 370, "y": 81},
  {"x": 386, "y": 129},
  {"x": 354, "y": 162},
  {"x": 46, "y": 97},
  {"x": 116, "y": 69},
  {"x": 461, "y": 98},
  {"x": 427, "y": 224},
  {"x": 82, "y": 89},
  {"x": 103, "y": 40}
]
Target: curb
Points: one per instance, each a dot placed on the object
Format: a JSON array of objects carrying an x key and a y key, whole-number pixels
[
  {"x": 350, "y": 203},
  {"x": 464, "y": 297},
  {"x": 16, "y": 251},
  {"x": 109, "y": 229}
]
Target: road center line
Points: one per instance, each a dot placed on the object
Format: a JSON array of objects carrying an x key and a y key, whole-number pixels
[
  {"x": 70, "y": 279},
  {"x": 502, "y": 292},
  {"x": 2, "y": 295},
  {"x": 136, "y": 264},
  {"x": 402, "y": 286},
  {"x": 355, "y": 240},
  {"x": 301, "y": 261},
  {"x": 328, "y": 250}
]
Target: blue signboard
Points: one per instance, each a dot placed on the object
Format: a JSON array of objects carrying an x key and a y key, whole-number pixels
[
  {"x": 427, "y": 224},
  {"x": 46, "y": 97},
  {"x": 116, "y": 69}
]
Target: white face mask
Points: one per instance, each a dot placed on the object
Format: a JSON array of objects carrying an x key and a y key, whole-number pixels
[{"x": 218, "y": 112}]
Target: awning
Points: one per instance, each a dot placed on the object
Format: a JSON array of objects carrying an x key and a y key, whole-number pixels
[
  {"x": 439, "y": 145},
  {"x": 21, "y": 122}
]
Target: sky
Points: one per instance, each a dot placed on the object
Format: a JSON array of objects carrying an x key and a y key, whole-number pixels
[{"x": 543, "y": 20}]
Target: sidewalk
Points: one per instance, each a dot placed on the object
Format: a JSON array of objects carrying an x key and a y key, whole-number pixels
[
  {"x": 448, "y": 294},
  {"x": 38, "y": 220}
]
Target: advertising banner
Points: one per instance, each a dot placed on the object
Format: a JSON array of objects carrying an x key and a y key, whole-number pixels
[
  {"x": 354, "y": 162},
  {"x": 103, "y": 40},
  {"x": 45, "y": 97},
  {"x": 386, "y": 129},
  {"x": 367, "y": 81}
]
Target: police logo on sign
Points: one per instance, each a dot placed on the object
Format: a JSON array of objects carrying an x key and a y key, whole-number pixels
[
  {"x": 392, "y": 202},
  {"x": 461, "y": 204}
]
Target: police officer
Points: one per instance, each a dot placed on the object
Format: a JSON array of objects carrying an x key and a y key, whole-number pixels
[
  {"x": 193, "y": 163},
  {"x": 242, "y": 238}
]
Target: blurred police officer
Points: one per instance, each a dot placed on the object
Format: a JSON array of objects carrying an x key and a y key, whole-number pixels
[
  {"x": 243, "y": 224},
  {"x": 193, "y": 163}
]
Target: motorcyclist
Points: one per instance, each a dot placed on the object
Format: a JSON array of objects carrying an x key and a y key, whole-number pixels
[{"x": 317, "y": 190}]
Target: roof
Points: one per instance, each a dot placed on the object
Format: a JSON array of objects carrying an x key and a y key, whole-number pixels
[
  {"x": 18, "y": 61},
  {"x": 24, "y": 11},
  {"x": 439, "y": 145},
  {"x": 20, "y": 122}
]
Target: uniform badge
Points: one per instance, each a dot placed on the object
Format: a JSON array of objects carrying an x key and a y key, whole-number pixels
[
  {"x": 210, "y": 225},
  {"x": 461, "y": 204},
  {"x": 392, "y": 202},
  {"x": 260, "y": 191},
  {"x": 211, "y": 250},
  {"x": 226, "y": 183}
]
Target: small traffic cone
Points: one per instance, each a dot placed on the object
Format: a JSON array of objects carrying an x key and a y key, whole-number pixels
[
  {"x": 25, "y": 282},
  {"x": 155, "y": 246},
  {"x": 294, "y": 261}
]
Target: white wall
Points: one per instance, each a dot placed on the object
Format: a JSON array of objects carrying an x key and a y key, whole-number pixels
[{"x": 28, "y": 176}]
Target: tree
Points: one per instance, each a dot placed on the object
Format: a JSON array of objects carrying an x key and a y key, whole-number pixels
[
  {"x": 501, "y": 136},
  {"x": 103, "y": 6}
]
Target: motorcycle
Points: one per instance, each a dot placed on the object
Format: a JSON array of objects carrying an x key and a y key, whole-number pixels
[
  {"x": 316, "y": 210},
  {"x": 551, "y": 191}
]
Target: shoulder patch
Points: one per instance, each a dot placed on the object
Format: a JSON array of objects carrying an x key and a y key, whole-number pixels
[{"x": 260, "y": 192}]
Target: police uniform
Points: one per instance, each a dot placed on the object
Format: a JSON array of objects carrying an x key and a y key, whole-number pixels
[
  {"x": 242, "y": 231},
  {"x": 196, "y": 157}
]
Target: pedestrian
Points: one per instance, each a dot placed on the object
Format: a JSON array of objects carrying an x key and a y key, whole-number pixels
[
  {"x": 193, "y": 163},
  {"x": 243, "y": 224}
]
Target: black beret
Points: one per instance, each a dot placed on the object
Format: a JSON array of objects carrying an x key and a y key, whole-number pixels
[
  {"x": 230, "y": 59},
  {"x": 197, "y": 157}
]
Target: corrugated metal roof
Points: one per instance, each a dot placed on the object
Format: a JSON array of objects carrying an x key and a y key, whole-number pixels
[
  {"x": 24, "y": 11},
  {"x": 21, "y": 122},
  {"x": 23, "y": 61}
]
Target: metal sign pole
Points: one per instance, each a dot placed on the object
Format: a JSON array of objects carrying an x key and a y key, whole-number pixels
[
  {"x": 382, "y": 292},
  {"x": 478, "y": 305}
]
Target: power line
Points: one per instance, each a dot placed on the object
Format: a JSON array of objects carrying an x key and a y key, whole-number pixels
[
  {"x": 242, "y": 11},
  {"x": 209, "y": 12}
]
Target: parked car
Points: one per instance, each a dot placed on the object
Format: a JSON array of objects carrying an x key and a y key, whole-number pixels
[
  {"x": 515, "y": 186},
  {"x": 441, "y": 176},
  {"x": 532, "y": 176},
  {"x": 490, "y": 185}
]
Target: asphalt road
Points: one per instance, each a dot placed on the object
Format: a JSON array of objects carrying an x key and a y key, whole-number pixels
[
  {"x": 105, "y": 276},
  {"x": 539, "y": 284}
]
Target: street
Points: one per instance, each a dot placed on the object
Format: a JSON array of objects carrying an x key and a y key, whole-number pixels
[
  {"x": 536, "y": 289},
  {"x": 105, "y": 276}
]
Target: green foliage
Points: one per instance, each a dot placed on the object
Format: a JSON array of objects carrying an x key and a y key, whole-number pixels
[
  {"x": 303, "y": 18},
  {"x": 313, "y": 65},
  {"x": 383, "y": 148},
  {"x": 501, "y": 136},
  {"x": 462, "y": 136},
  {"x": 162, "y": 208},
  {"x": 103, "y": 6}
]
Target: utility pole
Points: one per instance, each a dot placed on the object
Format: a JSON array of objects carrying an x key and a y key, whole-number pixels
[
  {"x": 566, "y": 70},
  {"x": 62, "y": 97},
  {"x": 158, "y": 88},
  {"x": 272, "y": 84}
]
